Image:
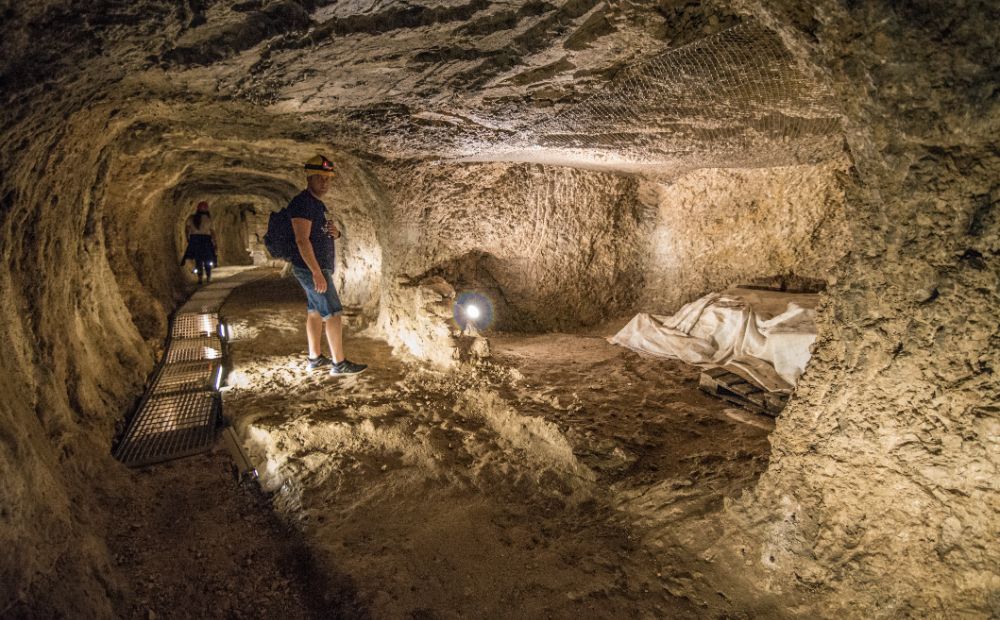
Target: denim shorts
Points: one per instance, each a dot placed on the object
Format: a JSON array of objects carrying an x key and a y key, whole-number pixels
[{"x": 325, "y": 304}]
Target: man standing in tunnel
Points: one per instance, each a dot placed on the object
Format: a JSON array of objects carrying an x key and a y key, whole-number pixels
[{"x": 313, "y": 268}]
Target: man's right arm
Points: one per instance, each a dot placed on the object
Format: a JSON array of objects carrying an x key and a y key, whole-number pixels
[{"x": 302, "y": 227}]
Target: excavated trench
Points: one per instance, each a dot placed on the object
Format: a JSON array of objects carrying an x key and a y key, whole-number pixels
[{"x": 574, "y": 164}]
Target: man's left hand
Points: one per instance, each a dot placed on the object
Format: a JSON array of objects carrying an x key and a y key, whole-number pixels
[{"x": 332, "y": 230}]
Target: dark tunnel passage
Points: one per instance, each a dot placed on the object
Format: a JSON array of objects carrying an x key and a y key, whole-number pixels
[
  {"x": 236, "y": 199},
  {"x": 574, "y": 168}
]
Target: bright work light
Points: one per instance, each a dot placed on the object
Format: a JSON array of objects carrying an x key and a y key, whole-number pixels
[{"x": 473, "y": 309}]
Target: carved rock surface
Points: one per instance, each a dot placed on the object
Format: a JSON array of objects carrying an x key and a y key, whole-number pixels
[{"x": 855, "y": 143}]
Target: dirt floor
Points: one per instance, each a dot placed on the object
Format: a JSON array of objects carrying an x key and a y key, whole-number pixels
[
  {"x": 563, "y": 478},
  {"x": 194, "y": 541}
]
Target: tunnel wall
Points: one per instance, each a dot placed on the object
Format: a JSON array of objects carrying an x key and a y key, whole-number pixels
[
  {"x": 719, "y": 227},
  {"x": 882, "y": 496},
  {"x": 564, "y": 246},
  {"x": 72, "y": 360}
]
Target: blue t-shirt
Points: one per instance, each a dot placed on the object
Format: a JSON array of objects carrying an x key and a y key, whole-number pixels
[{"x": 309, "y": 207}]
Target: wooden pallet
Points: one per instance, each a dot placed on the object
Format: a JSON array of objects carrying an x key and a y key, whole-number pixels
[{"x": 737, "y": 390}]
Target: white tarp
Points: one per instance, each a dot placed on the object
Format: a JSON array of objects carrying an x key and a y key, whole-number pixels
[{"x": 761, "y": 335}]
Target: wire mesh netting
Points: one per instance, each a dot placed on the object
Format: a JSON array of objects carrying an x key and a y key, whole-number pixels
[
  {"x": 168, "y": 426},
  {"x": 735, "y": 99}
]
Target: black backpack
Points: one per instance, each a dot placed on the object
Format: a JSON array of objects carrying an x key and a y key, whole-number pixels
[{"x": 279, "y": 238}]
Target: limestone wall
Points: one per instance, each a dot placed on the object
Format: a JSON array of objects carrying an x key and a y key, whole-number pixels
[
  {"x": 73, "y": 359},
  {"x": 719, "y": 227},
  {"x": 565, "y": 247},
  {"x": 882, "y": 495}
]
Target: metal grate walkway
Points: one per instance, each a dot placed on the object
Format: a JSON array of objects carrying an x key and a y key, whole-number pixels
[
  {"x": 179, "y": 414},
  {"x": 188, "y": 376},
  {"x": 170, "y": 426},
  {"x": 194, "y": 349}
]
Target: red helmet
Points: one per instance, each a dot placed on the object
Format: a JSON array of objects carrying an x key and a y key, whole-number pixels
[{"x": 202, "y": 207}]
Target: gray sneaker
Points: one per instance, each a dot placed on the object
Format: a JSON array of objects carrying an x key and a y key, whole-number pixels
[
  {"x": 312, "y": 363},
  {"x": 347, "y": 367}
]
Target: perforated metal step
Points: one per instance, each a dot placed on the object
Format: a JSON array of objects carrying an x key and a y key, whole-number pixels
[
  {"x": 194, "y": 349},
  {"x": 170, "y": 426},
  {"x": 195, "y": 325},
  {"x": 187, "y": 376}
]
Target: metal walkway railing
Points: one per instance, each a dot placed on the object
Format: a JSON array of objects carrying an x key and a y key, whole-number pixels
[{"x": 180, "y": 412}]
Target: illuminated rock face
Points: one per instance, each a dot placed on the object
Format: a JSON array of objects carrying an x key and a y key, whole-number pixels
[
  {"x": 718, "y": 227},
  {"x": 564, "y": 247},
  {"x": 882, "y": 486},
  {"x": 882, "y": 493}
]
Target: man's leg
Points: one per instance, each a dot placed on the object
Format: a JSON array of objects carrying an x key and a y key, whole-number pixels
[
  {"x": 330, "y": 307},
  {"x": 335, "y": 338},
  {"x": 314, "y": 332}
]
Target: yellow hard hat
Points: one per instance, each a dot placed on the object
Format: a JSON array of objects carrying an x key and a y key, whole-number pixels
[{"x": 319, "y": 165}]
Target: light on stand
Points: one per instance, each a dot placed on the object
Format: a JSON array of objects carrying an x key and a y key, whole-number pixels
[{"x": 472, "y": 312}]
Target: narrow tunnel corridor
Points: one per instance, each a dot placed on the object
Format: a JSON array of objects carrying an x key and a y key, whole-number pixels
[{"x": 568, "y": 166}]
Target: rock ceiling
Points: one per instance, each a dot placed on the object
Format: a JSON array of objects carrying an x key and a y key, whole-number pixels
[{"x": 585, "y": 83}]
